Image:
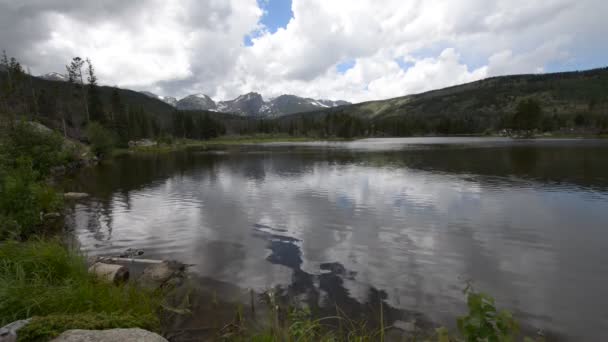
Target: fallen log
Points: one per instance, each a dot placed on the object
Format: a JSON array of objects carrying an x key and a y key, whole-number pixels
[{"x": 110, "y": 272}]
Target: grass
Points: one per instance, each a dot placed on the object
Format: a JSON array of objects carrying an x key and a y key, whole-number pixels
[
  {"x": 41, "y": 278},
  {"x": 228, "y": 140}
]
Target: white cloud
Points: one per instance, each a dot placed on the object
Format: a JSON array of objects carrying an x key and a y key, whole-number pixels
[{"x": 183, "y": 47}]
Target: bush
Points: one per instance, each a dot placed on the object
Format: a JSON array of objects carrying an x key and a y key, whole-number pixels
[
  {"x": 165, "y": 139},
  {"x": 102, "y": 140},
  {"x": 44, "y": 148},
  {"x": 41, "y": 278},
  {"x": 484, "y": 322}
]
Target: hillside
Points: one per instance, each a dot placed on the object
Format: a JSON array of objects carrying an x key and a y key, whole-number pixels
[
  {"x": 559, "y": 93},
  {"x": 569, "y": 101},
  {"x": 55, "y": 100}
]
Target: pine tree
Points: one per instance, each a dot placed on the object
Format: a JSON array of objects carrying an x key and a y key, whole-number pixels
[
  {"x": 94, "y": 101},
  {"x": 75, "y": 78},
  {"x": 119, "y": 118}
]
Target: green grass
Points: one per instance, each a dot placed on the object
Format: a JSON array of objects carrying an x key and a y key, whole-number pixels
[
  {"x": 40, "y": 278},
  {"x": 229, "y": 140}
]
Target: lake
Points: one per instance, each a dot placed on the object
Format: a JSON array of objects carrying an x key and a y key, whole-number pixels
[{"x": 403, "y": 221}]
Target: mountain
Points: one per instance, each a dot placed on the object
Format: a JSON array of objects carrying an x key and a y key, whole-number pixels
[
  {"x": 166, "y": 99},
  {"x": 289, "y": 104},
  {"x": 249, "y": 104},
  {"x": 253, "y": 105},
  {"x": 196, "y": 102},
  {"x": 54, "y": 76}
]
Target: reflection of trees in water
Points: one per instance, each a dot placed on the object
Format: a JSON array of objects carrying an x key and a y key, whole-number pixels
[
  {"x": 524, "y": 160},
  {"x": 326, "y": 293}
]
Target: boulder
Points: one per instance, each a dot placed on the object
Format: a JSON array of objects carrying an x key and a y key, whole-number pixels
[
  {"x": 75, "y": 195},
  {"x": 8, "y": 333},
  {"x": 111, "y": 335},
  {"x": 142, "y": 143}
]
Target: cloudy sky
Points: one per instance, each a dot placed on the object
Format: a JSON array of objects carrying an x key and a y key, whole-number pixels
[{"x": 340, "y": 49}]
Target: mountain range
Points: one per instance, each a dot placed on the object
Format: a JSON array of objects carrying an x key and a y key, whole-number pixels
[{"x": 250, "y": 104}]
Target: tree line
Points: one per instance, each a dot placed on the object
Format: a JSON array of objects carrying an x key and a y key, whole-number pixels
[{"x": 74, "y": 106}]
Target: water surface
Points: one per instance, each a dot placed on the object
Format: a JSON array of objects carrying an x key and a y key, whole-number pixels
[{"x": 405, "y": 221}]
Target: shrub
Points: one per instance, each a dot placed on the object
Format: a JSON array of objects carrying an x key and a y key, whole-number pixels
[
  {"x": 23, "y": 200},
  {"x": 484, "y": 322},
  {"x": 43, "y": 147},
  {"x": 102, "y": 140}
]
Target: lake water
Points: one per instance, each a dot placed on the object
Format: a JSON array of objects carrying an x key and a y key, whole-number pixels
[{"x": 405, "y": 221}]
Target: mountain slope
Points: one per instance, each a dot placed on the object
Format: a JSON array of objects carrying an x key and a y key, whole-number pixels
[
  {"x": 54, "y": 76},
  {"x": 249, "y": 104},
  {"x": 166, "y": 99},
  {"x": 196, "y": 102},
  {"x": 289, "y": 104},
  {"x": 558, "y": 93}
]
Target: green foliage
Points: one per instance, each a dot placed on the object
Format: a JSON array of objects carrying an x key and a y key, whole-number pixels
[
  {"x": 484, "y": 322},
  {"x": 41, "y": 278},
  {"x": 23, "y": 200},
  {"x": 194, "y": 125},
  {"x": 27, "y": 155},
  {"x": 102, "y": 140},
  {"x": 93, "y": 98},
  {"x": 42, "y": 147},
  {"x": 528, "y": 115},
  {"x": 47, "y": 327}
]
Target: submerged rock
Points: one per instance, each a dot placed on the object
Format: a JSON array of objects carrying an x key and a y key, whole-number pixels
[
  {"x": 111, "y": 335},
  {"x": 155, "y": 276}
]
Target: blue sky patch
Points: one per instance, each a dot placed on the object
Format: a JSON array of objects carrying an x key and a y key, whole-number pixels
[
  {"x": 346, "y": 65},
  {"x": 277, "y": 13},
  {"x": 404, "y": 65}
]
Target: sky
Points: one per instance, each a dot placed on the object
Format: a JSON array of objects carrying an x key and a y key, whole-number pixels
[{"x": 354, "y": 50}]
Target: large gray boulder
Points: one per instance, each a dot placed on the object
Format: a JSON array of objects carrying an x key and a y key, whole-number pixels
[
  {"x": 111, "y": 335},
  {"x": 8, "y": 333}
]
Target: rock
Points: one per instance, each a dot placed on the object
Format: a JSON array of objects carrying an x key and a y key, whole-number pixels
[
  {"x": 51, "y": 216},
  {"x": 8, "y": 333},
  {"x": 155, "y": 276},
  {"x": 130, "y": 252},
  {"x": 75, "y": 195},
  {"x": 142, "y": 143},
  {"x": 110, "y": 272},
  {"x": 111, "y": 335}
]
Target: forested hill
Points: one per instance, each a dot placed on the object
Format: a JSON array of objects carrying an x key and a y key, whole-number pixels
[
  {"x": 51, "y": 102},
  {"x": 560, "y": 93},
  {"x": 567, "y": 99}
]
